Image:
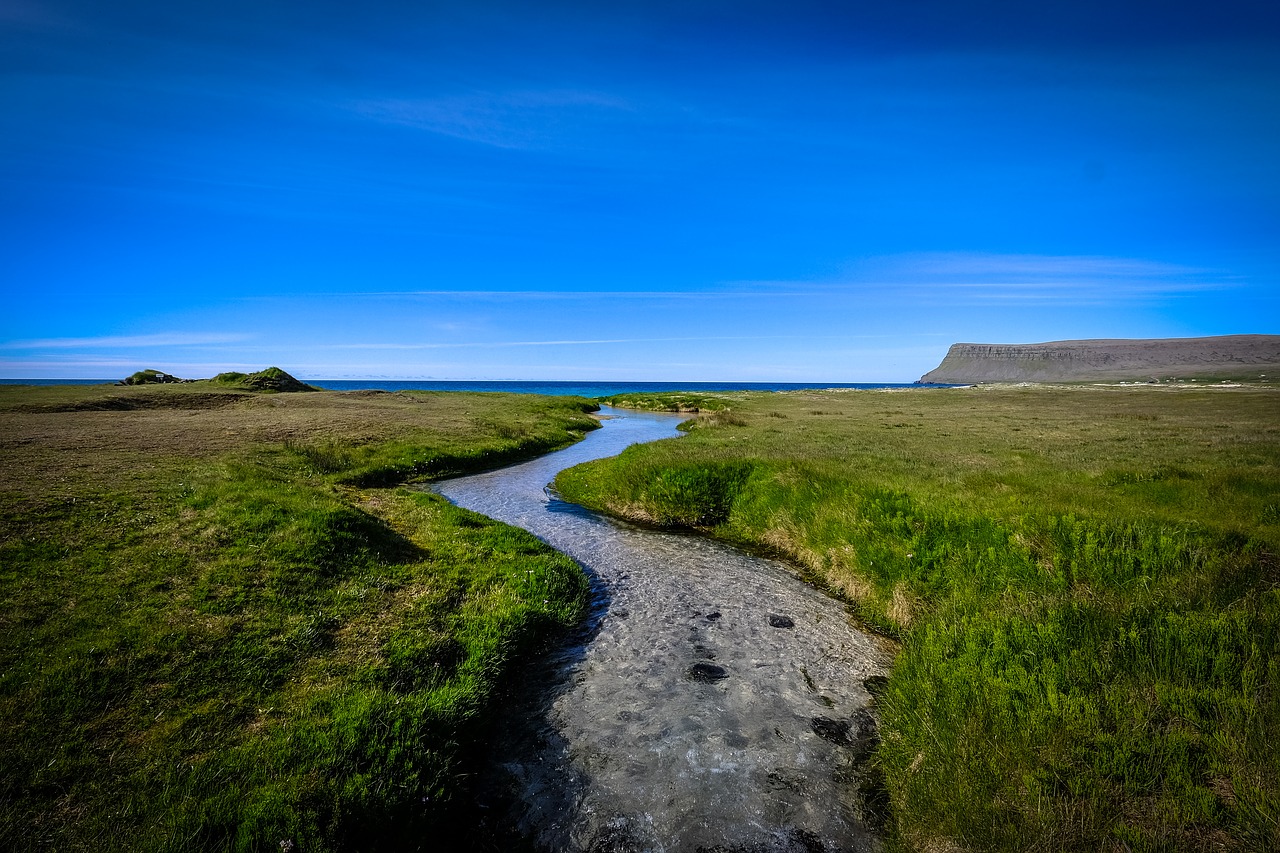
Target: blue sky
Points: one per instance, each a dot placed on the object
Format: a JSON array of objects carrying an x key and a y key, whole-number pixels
[{"x": 801, "y": 191}]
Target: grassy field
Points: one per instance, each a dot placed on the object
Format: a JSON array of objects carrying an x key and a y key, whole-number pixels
[
  {"x": 223, "y": 627},
  {"x": 1085, "y": 582}
]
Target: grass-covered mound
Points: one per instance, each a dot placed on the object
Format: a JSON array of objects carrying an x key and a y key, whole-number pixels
[
  {"x": 271, "y": 379},
  {"x": 211, "y": 640},
  {"x": 150, "y": 377},
  {"x": 1085, "y": 583},
  {"x": 150, "y": 389}
]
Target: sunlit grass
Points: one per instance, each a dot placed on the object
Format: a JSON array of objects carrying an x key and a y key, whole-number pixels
[
  {"x": 1085, "y": 583},
  {"x": 216, "y": 634}
]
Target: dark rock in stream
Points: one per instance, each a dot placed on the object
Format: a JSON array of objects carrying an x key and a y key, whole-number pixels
[
  {"x": 864, "y": 724},
  {"x": 777, "y": 621},
  {"x": 866, "y": 733},
  {"x": 836, "y": 731},
  {"x": 707, "y": 672},
  {"x": 860, "y": 733}
]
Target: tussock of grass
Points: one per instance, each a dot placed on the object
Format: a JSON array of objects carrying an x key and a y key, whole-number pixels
[
  {"x": 668, "y": 402},
  {"x": 1085, "y": 583},
  {"x": 211, "y": 638}
]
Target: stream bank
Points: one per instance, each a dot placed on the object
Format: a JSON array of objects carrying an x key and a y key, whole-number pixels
[{"x": 712, "y": 701}]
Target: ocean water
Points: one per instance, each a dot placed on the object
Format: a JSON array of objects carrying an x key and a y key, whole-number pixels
[
  {"x": 589, "y": 389},
  {"x": 555, "y": 389}
]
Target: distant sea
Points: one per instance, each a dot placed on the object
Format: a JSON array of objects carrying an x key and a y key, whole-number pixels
[{"x": 555, "y": 389}]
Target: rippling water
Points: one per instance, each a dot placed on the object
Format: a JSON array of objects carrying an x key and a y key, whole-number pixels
[{"x": 714, "y": 702}]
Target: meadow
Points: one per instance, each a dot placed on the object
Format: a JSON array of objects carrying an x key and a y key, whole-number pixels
[
  {"x": 1084, "y": 583},
  {"x": 225, "y": 626}
]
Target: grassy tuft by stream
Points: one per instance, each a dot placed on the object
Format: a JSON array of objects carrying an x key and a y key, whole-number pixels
[
  {"x": 222, "y": 626},
  {"x": 1085, "y": 583}
]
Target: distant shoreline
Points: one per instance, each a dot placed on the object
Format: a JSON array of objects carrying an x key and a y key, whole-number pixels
[{"x": 560, "y": 388}]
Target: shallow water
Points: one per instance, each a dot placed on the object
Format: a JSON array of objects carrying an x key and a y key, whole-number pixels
[{"x": 713, "y": 701}]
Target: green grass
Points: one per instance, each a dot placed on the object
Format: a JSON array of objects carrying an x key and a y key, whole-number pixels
[
  {"x": 216, "y": 634},
  {"x": 1085, "y": 583},
  {"x": 677, "y": 401}
]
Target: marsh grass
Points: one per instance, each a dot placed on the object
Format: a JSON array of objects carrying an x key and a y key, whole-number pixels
[
  {"x": 1084, "y": 582},
  {"x": 215, "y": 635},
  {"x": 668, "y": 402}
]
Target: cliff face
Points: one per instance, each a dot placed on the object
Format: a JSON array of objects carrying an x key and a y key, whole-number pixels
[{"x": 1110, "y": 360}]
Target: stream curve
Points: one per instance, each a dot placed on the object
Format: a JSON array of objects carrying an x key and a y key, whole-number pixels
[{"x": 713, "y": 701}]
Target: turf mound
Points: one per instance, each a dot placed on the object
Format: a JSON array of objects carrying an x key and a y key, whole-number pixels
[
  {"x": 271, "y": 379},
  {"x": 150, "y": 377}
]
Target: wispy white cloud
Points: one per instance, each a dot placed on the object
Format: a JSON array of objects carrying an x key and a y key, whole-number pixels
[
  {"x": 1033, "y": 267},
  {"x": 743, "y": 290},
  {"x": 495, "y": 344},
  {"x": 164, "y": 339},
  {"x": 601, "y": 341},
  {"x": 527, "y": 119},
  {"x": 964, "y": 277}
]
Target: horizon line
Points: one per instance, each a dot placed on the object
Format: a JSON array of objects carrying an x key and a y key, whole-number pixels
[{"x": 18, "y": 380}]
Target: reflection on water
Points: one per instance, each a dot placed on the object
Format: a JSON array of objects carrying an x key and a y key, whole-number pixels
[{"x": 714, "y": 702}]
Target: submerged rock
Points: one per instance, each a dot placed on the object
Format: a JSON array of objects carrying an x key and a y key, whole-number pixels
[
  {"x": 707, "y": 672},
  {"x": 838, "y": 732},
  {"x": 859, "y": 733},
  {"x": 866, "y": 733}
]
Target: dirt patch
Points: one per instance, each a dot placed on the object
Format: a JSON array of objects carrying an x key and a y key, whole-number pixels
[{"x": 130, "y": 403}]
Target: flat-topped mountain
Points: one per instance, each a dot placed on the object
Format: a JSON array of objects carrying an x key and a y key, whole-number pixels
[{"x": 1227, "y": 356}]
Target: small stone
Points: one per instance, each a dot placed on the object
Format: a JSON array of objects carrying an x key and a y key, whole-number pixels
[
  {"x": 713, "y": 616},
  {"x": 863, "y": 724},
  {"x": 777, "y": 621},
  {"x": 836, "y": 731},
  {"x": 859, "y": 733},
  {"x": 707, "y": 673}
]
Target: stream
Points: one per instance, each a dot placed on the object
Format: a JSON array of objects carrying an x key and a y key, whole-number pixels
[{"x": 712, "y": 702}]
